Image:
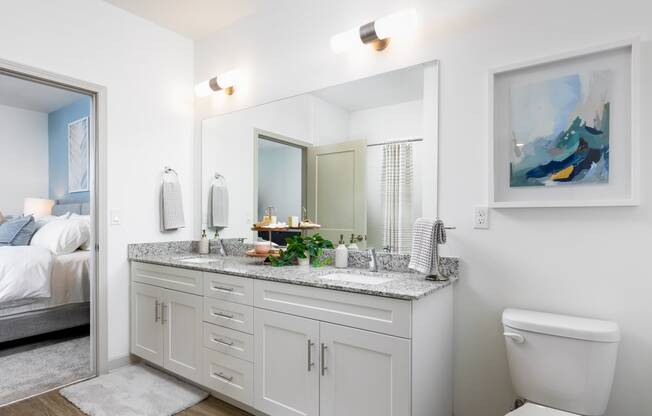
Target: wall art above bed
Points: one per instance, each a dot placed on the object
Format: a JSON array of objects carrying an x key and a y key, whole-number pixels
[
  {"x": 78, "y": 156},
  {"x": 564, "y": 131}
]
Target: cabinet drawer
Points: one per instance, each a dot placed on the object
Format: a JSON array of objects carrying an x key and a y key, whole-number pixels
[
  {"x": 229, "y": 314},
  {"x": 231, "y": 288},
  {"x": 228, "y": 341},
  {"x": 230, "y": 376},
  {"x": 373, "y": 313},
  {"x": 175, "y": 278}
]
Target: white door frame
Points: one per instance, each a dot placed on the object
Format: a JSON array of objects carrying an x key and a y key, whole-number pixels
[{"x": 99, "y": 333}]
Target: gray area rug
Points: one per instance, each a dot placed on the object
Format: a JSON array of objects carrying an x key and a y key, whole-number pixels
[
  {"x": 137, "y": 390},
  {"x": 34, "y": 368}
]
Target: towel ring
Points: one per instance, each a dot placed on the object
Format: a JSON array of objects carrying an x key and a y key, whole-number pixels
[
  {"x": 219, "y": 177},
  {"x": 167, "y": 170}
]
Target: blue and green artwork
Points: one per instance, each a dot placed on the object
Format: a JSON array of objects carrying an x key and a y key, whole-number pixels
[{"x": 560, "y": 130}]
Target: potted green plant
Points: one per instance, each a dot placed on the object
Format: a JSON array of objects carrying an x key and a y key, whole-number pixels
[
  {"x": 300, "y": 249},
  {"x": 316, "y": 245}
]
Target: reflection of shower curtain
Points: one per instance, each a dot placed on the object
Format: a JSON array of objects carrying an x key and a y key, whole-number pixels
[{"x": 397, "y": 178}]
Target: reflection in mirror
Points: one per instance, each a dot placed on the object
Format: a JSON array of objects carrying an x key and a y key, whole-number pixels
[{"x": 358, "y": 158}]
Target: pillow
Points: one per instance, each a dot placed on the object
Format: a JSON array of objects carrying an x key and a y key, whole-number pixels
[
  {"x": 86, "y": 222},
  {"x": 47, "y": 218},
  {"x": 61, "y": 237},
  {"x": 18, "y": 231}
]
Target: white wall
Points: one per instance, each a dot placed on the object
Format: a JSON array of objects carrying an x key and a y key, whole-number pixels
[
  {"x": 148, "y": 72},
  {"x": 23, "y": 157},
  {"x": 388, "y": 122},
  {"x": 586, "y": 261}
]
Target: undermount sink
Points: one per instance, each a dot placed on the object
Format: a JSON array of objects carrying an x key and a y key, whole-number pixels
[
  {"x": 357, "y": 278},
  {"x": 198, "y": 260}
]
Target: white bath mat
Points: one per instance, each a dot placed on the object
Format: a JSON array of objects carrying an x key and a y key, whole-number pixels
[{"x": 137, "y": 390}]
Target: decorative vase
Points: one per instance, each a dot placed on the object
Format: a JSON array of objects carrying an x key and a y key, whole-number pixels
[{"x": 304, "y": 262}]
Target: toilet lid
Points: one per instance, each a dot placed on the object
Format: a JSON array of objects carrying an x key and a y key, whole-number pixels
[{"x": 531, "y": 409}]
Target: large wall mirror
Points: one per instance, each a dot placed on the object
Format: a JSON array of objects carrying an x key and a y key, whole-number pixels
[{"x": 360, "y": 159}]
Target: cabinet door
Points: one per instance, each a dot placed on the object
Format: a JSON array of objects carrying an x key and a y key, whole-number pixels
[
  {"x": 146, "y": 327},
  {"x": 363, "y": 373},
  {"x": 286, "y": 364},
  {"x": 182, "y": 316}
]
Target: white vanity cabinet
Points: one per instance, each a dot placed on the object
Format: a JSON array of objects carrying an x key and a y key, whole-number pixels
[
  {"x": 287, "y": 350},
  {"x": 166, "y": 325},
  {"x": 286, "y": 364}
]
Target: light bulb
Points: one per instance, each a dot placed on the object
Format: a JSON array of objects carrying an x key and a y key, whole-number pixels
[
  {"x": 396, "y": 24},
  {"x": 345, "y": 40},
  {"x": 203, "y": 89}
]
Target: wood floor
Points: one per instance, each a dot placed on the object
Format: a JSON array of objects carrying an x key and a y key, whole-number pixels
[{"x": 53, "y": 404}]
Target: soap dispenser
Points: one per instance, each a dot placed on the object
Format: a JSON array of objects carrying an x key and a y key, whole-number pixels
[
  {"x": 203, "y": 243},
  {"x": 341, "y": 254}
]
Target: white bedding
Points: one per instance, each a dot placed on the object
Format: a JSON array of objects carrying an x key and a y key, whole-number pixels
[
  {"x": 68, "y": 283},
  {"x": 25, "y": 272}
]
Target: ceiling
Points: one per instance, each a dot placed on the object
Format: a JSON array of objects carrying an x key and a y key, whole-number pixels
[
  {"x": 194, "y": 19},
  {"x": 29, "y": 95},
  {"x": 385, "y": 89}
]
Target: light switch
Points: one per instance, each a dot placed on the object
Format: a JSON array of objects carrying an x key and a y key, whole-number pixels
[{"x": 115, "y": 217}]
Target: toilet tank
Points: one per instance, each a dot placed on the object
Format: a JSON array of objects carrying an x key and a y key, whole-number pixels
[{"x": 559, "y": 361}]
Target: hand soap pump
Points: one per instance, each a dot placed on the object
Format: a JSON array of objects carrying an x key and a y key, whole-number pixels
[
  {"x": 203, "y": 243},
  {"x": 341, "y": 254}
]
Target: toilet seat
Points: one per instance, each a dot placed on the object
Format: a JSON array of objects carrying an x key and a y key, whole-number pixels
[{"x": 531, "y": 409}]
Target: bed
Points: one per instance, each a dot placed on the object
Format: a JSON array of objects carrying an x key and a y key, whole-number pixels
[{"x": 56, "y": 295}]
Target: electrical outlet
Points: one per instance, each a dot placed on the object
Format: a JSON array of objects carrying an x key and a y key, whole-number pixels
[{"x": 481, "y": 217}]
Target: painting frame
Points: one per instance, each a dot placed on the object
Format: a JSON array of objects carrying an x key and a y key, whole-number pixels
[
  {"x": 78, "y": 140},
  {"x": 624, "y": 190}
]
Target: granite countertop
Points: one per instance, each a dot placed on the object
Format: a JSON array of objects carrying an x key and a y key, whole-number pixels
[{"x": 402, "y": 285}]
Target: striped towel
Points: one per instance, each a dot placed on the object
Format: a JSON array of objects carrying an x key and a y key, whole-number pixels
[
  {"x": 171, "y": 204},
  {"x": 218, "y": 206},
  {"x": 427, "y": 234}
]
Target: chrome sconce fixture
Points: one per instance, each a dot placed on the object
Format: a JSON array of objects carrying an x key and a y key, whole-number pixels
[
  {"x": 224, "y": 82},
  {"x": 377, "y": 33}
]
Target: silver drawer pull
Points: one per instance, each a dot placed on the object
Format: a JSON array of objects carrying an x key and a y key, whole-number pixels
[
  {"x": 222, "y": 376},
  {"x": 310, "y": 363},
  {"x": 156, "y": 315},
  {"x": 164, "y": 312},
  {"x": 323, "y": 359},
  {"x": 222, "y": 288},
  {"x": 223, "y": 315},
  {"x": 221, "y": 341}
]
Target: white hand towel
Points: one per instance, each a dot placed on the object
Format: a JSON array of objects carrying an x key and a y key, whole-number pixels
[
  {"x": 427, "y": 234},
  {"x": 218, "y": 206},
  {"x": 171, "y": 204}
]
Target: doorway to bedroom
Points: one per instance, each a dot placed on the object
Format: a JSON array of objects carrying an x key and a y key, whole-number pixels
[{"x": 47, "y": 236}]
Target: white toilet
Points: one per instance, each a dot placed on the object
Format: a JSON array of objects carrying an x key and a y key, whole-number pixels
[{"x": 561, "y": 365}]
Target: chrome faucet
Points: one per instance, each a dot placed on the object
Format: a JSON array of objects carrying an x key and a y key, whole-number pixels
[{"x": 373, "y": 262}]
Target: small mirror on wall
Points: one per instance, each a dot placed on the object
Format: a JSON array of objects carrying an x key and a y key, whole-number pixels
[{"x": 359, "y": 159}]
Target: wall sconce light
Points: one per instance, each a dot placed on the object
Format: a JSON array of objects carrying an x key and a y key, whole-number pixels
[
  {"x": 377, "y": 33},
  {"x": 223, "y": 82}
]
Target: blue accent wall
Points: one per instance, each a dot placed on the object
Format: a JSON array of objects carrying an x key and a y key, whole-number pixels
[{"x": 58, "y": 149}]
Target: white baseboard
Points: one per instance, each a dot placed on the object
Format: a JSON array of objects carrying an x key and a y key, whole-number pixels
[{"x": 120, "y": 362}]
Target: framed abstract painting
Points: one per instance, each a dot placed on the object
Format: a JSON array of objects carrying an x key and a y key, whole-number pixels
[
  {"x": 78, "y": 156},
  {"x": 564, "y": 131}
]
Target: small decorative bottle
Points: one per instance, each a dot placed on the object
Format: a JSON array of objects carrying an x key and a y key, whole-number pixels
[
  {"x": 341, "y": 254},
  {"x": 203, "y": 243}
]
